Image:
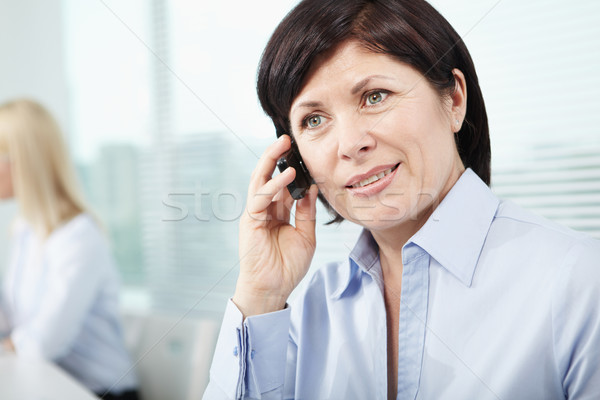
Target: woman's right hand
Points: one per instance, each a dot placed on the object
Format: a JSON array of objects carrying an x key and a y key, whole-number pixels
[{"x": 274, "y": 255}]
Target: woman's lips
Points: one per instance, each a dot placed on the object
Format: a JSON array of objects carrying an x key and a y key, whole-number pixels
[
  {"x": 373, "y": 171},
  {"x": 375, "y": 187}
]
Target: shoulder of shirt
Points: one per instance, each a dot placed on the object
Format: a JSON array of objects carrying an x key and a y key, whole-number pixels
[
  {"x": 81, "y": 233},
  {"x": 81, "y": 224},
  {"x": 508, "y": 210},
  {"x": 578, "y": 244}
]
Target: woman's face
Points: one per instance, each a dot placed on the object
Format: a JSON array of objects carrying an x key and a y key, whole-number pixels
[
  {"x": 376, "y": 137},
  {"x": 6, "y": 184}
]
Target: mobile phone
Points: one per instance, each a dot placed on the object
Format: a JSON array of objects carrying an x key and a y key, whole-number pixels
[{"x": 299, "y": 186}]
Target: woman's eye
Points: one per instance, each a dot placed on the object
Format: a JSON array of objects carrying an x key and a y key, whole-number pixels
[
  {"x": 376, "y": 97},
  {"x": 313, "y": 121}
]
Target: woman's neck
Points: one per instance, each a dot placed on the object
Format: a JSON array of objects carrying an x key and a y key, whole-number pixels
[{"x": 391, "y": 241}]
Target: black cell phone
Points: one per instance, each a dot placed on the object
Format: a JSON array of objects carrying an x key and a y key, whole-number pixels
[{"x": 299, "y": 186}]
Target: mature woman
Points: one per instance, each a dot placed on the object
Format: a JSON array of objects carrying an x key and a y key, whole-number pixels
[
  {"x": 449, "y": 293},
  {"x": 61, "y": 289}
]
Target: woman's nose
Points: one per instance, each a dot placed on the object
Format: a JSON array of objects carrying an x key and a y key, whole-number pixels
[{"x": 355, "y": 139}]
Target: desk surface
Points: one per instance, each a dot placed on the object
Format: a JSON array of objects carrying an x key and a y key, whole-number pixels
[{"x": 30, "y": 379}]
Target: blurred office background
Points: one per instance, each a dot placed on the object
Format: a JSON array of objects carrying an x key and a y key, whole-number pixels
[{"x": 157, "y": 99}]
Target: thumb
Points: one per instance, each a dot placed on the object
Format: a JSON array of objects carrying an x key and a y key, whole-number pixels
[{"x": 306, "y": 212}]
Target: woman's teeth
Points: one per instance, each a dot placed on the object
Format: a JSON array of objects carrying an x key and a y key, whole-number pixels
[{"x": 373, "y": 178}]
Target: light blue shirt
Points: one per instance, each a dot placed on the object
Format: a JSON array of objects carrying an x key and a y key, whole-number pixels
[
  {"x": 60, "y": 301},
  {"x": 496, "y": 304}
]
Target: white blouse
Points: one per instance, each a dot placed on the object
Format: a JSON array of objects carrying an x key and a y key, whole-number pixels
[{"x": 60, "y": 302}]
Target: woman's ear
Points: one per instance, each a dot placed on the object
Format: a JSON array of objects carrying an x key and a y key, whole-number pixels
[{"x": 459, "y": 100}]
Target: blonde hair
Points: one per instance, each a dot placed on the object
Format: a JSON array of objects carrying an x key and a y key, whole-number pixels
[{"x": 44, "y": 179}]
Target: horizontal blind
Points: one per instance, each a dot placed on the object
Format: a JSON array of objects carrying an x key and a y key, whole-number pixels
[
  {"x": 190, "y": 221},
  {"x": 537, "y": 62},
  {"x": 560, "y": 182}
]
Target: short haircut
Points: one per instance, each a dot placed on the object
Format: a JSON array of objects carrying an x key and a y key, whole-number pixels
[{"x": 411, "y": 31}]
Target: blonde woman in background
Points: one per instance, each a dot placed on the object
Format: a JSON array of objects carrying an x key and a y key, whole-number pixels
[{"x": 60, "y": 297}]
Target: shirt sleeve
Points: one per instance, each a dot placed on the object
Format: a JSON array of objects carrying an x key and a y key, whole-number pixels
[
  {"x": 251, "y": 356},
  {"x": 576, "y": 322},
  {"x": 75, "y": 262}
]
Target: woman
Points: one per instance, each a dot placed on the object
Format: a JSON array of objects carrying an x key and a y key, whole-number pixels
[
  {"x": 61, "y": 289},
  {"x": 449, "y": 292}
]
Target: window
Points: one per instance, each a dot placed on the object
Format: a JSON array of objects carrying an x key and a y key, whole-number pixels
[{"x": 167, "y": 128}]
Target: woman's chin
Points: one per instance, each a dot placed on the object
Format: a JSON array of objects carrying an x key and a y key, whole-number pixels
[{"x": 380, "y": 221}]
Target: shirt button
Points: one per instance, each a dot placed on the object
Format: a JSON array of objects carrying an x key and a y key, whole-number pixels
[
  {"x": 252, "y": 355},
  {"x": 235, "y": 351}
]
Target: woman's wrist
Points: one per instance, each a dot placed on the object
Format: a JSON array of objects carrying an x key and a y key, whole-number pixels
[{"x": 251, "y": 304}]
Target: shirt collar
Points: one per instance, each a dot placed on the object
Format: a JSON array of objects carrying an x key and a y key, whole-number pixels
[
  {"x": 363, "y": 256},
  {"x": 454, "y": 234}
]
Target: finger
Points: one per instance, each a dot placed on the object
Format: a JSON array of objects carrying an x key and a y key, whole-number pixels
[
  {"x": 288, "y": 199},
  {"x": 285, "y": 196},
  {"x": 267, "y": 162},
  {"x": 306, "y": 212},
  {"x": 279, "y": 196},
  {"x": 259, "y": 200},
  {"x": 283, "y": 204}
]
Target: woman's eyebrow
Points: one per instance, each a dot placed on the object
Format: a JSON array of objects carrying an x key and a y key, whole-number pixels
[
  {"x": 356, "y": 88},
  {"x": 310, "y": 104},
  {"x": 307, "y": 104}
]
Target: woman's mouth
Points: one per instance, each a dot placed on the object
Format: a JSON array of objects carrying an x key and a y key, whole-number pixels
[
  {"x": 374, "y": 178},
  {"x": 373, "y": 184}
]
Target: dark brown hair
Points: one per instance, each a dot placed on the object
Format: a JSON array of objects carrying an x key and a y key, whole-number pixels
[{"x": 411, "y": 31}]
